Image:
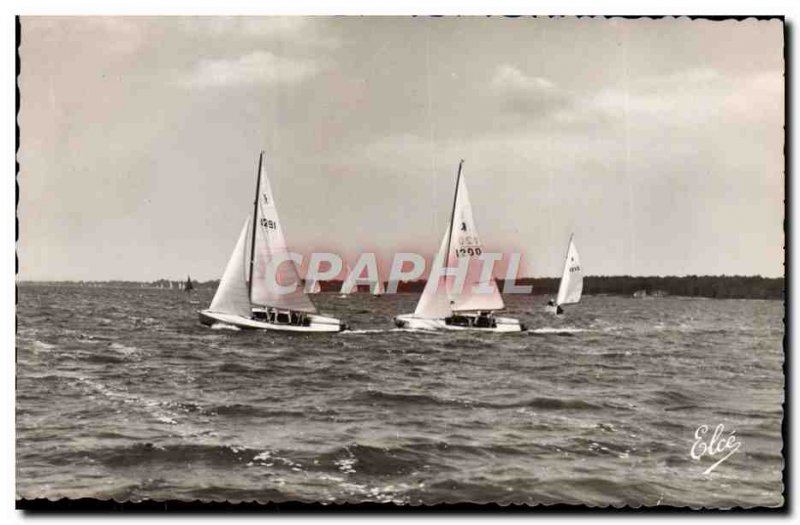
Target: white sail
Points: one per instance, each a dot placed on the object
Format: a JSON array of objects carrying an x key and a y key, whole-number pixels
[
  {"x": 232, "y": 295},
  {"x": 313, "y": 287},
  {"x": 270, "y": 247},
  {"x": 377, "y": 288},
  {"x": 571, "y": 287},
  {"x": 434, "y": 303},
  {"x": 465, "y": 245}
]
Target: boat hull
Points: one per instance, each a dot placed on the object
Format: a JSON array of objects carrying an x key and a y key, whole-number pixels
[
  {"x": 318, "y": 323},
  {"x": 503, "y": 324}
]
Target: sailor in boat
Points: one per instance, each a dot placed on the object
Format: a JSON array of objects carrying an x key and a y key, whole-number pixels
[
  {"x": 277, "y": 316},
  {"x": 481, "y": 319},
  {"x": 552, "y": 306},
  {"x": 485, "y": 320}
]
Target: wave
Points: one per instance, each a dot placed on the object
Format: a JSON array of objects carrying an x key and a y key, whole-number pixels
[
  {"x": 124, "y": 349},
  {"x": 101, "y": 357},
  {"x": 242, "y": 410},
  {"x": 543, "y": 403},
  {"x": 159, "y": 410},
  {"x": 41, "y": 346},
  {"x": 340, "y": 460},
  {"x": 141, "y": 454},
  {"x": 398, "y": 460},
  {"x": 235, "y": 368}
]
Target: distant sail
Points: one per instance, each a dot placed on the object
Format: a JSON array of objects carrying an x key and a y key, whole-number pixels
[
  {"x": 232, "y": 295},
  {"x": 348, "y": 283},
  {"x": 377, "y": 288},
  {"x": 270, "y": 246},
  {"x": 312, "y": 287},
  {"x": 571, "y": 287}
]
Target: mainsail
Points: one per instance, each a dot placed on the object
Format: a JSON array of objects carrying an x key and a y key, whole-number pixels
[
  {"x": 269, "y": 251},
  {"x": 571, "y": 287},
  {"x": 441, "y": 298},
  {"x": 232, "y": 295},
  {"x": 466, "y": 248}
]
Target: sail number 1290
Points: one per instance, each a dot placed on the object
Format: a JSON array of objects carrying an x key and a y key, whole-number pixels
[{"x": 467, "y": 252}]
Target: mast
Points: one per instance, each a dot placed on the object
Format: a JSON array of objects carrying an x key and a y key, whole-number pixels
[
  {"x": 452, "y": 215},
  {"x": 255, "y": 220},
  {"x": 571, "y": 235}
]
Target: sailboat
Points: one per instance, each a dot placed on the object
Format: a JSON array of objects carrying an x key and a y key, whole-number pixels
[
  {"x": 253, "y": 303},
  {"x": 571, "y": 285},
  {"x": 377, "y": 288},
  {"x": 441, "y": 306},
  {"x": 347, "y": 288},
  {"x": 189, "y": 286},
  {"x": 312, "y": 287}
]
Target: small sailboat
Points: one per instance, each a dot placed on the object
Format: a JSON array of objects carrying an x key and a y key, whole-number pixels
[
  {"x": 251, "y": 302},
  {"x": 441, "y": 306},
  {"x": 188, "y": 286},
  {"x": 347, "y": 286},
  {"x": 312, "y": 287},
  {"x": 351, "y": 282},
  {"x": 571, "y": 285},
  {"x": 377, "y": 288}
]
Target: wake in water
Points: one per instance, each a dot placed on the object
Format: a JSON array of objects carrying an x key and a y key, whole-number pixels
[
  {"x": 224, "y": 326},
  {"x": 563, "y": 330},
  {"x": 383, "y": 331}
]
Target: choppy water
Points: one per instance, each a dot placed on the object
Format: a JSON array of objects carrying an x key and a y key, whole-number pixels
[{"x": 122, "y": 394}]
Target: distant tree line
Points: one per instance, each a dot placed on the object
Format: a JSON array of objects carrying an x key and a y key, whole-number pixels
[{"x": 713, "y": 286}]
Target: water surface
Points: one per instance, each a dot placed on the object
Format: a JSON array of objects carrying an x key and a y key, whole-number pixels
[{"x": 122, "y": 394}]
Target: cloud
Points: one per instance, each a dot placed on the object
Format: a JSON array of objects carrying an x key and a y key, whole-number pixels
[
  {"x": 521, "y": 92},
  {"x": 300, "y": 30},
  {"x": 685, "y": 98},
  {"x": 258, "y": 67}
]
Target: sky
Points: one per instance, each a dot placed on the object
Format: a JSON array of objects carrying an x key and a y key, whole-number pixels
[{"x": 659, "y": 143}]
